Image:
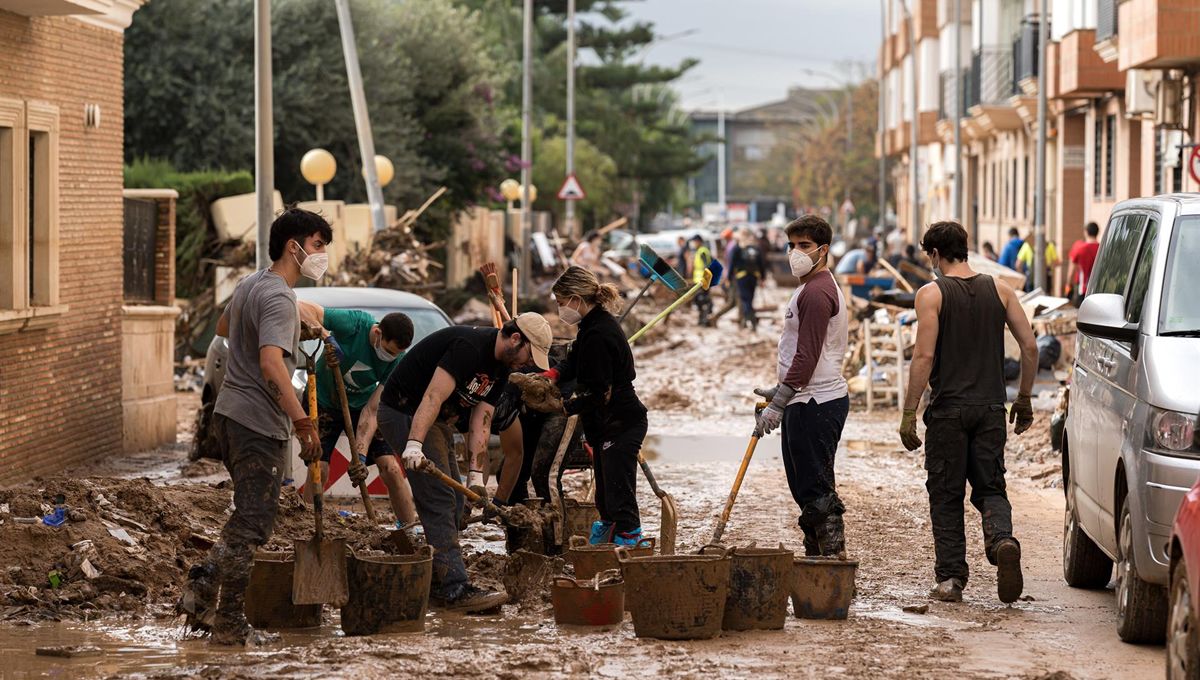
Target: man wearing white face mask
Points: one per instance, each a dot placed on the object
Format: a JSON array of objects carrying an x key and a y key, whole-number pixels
[
  {"x": 811, "y": 400},
  {"x": 369, "y": 352},
  {"x": 257, "y": 414}
]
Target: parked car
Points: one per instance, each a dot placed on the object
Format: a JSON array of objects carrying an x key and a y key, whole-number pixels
[
  {"x": 378, "y": 302},
  {"x": 1183, "y": 614},
  {"x": 1129, "y": 454},
  {"x": 625, "y": 245}
]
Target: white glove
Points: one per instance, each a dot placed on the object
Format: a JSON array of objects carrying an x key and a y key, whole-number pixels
[
  {"x": 413, "y": 457},
  {"x": 475, "y": 478},
  {"x": 772, "y": 415}
]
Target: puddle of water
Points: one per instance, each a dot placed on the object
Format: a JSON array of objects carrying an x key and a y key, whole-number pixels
[{"x": 706, "y": 449}]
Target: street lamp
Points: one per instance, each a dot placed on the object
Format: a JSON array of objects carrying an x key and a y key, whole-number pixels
[
  {"x": 510, "y": 189},
  {"x": 913, "y": 153},
  {"x": 384, "y": 170},
  {"x": 318, "y": 167}
]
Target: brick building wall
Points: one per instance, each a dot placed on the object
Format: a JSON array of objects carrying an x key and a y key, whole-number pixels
[{"x": 60, "y": 388}]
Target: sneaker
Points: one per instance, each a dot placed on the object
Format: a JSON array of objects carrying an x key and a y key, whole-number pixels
[
  {"x": 1009, "y": 581},
  {"x": 949, "y": 590},
  {"x": 470, "y": 599},
  {"x": 628, "y": 538},
  {"x": 601, "y": 532}
]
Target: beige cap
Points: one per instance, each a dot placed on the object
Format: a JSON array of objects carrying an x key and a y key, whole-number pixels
[{"x": 536, "y": 330}]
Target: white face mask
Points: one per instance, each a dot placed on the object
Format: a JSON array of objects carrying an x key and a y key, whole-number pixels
[
  {"x": 801, "y": 262},
  {"x": 314, "y": 265},
  {"x": 383, "y": 354},
  {"x": 568, "y": 315}
]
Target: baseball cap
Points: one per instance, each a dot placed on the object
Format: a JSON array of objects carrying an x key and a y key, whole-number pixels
[{"x": 536, "y": 330}]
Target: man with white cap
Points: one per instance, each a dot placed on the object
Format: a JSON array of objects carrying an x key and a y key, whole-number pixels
[{"x": 456, "y": 373}]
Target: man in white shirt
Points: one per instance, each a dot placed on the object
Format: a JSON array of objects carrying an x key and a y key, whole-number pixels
[{"x": 811, "y": 400}]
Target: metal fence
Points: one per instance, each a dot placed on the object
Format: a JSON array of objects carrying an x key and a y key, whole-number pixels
[
  {"x": 952, "y": 89},
  {"x": 1106, "y": 20},
  {"x": 991, "y": 76},
  {"x": 1025, "y": 52},
  {"x": 141, "y": 222}
]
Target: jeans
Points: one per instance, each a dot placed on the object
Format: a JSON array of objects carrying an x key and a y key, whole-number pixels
[
  {"x": 965, "y": 443},
  {"x": 439, "y": 507}
]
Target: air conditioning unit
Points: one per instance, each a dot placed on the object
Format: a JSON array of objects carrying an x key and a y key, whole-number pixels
[
  {"x": 1141, "y": 87},
  {"x": 1168, "y": 111}
]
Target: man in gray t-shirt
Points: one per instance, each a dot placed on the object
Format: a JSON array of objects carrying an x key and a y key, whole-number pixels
[{"x": 256, "y": 414}]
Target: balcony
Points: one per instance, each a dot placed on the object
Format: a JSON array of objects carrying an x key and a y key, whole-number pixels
[
  {"x": 1159, "y": 34},
  {"x": 1025, "y": 57},
  {"x": 991, "y": 89},
  {"x": 1106, "y": 29},
  {"x": 953, "y": 91},
  {"x": 1081, "y": 72}
]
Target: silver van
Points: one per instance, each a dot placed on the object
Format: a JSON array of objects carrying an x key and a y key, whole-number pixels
[{"x": 1130, "y": 453}]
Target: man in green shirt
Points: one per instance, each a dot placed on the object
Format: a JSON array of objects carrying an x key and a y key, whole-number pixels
[{"x": 369, "y": 352}]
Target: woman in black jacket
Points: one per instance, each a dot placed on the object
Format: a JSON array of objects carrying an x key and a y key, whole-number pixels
[{"x": 613, "y": 418}]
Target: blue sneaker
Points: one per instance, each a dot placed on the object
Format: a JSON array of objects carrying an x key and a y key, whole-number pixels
[
  {"x": 628, "y": 538},
  {"x": 601, "y": 532}
]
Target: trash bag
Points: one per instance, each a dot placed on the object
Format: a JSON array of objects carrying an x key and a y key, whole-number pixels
[
  {"x": 1012, "y": 370},
  {"x": 1049, "y": 350}
]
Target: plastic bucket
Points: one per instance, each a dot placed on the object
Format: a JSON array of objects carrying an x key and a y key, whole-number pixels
[
  {"x": 388, "y": 593},
  {"x": 269, "y": 595},
  {"x": 822, "y": 588},
  {"x": 599, "y": 601},
  {"x": 589, "y": 560},
  {"x": 578, "y": 518},
  {"x": 760, "y": 580},
  {"x": 676, "y": 597}
]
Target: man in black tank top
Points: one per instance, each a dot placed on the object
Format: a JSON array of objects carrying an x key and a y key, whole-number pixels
[{"x": 960, "y": 355}]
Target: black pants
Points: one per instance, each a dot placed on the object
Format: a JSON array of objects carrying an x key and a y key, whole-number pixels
[
  {"x": 965, "y": 443},
  {"x": 811, "y": 433},
  {"x": 745, "y": 291},
  {"x": 615, "y": 461}
]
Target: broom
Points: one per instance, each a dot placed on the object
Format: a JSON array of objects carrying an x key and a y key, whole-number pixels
[{"x": 492, "y": 280}]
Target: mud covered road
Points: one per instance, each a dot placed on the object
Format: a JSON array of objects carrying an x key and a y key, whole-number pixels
[{"x": 699, "y": 433}]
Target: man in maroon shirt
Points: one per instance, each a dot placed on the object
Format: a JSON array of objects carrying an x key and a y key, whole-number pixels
[{"x": 1082, "y": 257}]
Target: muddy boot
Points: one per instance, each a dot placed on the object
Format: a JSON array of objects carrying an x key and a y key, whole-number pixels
[
  {"x": 199, "y": 599},
  {"x": 949, "y": 590},
  {"x": 1009, "y": 580},
  {"x": 231, "y": 627},
  {"x": 811, "y": 547},
  {"x": 470, "y": 599},
  {"x": 831, "y": 537}
]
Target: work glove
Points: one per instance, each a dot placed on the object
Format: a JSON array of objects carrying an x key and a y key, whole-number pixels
[
  {"x": 1021, "y": 413},
  {"x": 413, "y": 457},
  {"x": 767, "y": 393},
  {"x": 772, "y": 415},
  {"x": 358, "y": 471},
  {"x": 908, "y": 430},
  {"x": 310, "y": 443}
]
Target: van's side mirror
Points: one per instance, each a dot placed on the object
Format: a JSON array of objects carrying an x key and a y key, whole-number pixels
[{"x": 1102, "y": 315}]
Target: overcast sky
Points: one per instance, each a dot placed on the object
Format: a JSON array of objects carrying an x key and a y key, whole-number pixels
[{"x": 750, "y": 51}]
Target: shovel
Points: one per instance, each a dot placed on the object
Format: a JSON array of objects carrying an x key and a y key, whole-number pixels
[
  {"x": 331, "y": 361},
  {"x": 471, "y": 496},
  {"x": 710, "y": 277},
  {"x": 737, "y": 482},
  {"x": 670, "y": 512},
  {"x": 320, "y": 575}
]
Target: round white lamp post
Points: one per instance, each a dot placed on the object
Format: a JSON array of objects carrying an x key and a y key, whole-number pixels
[{"x": 318, "y": 167}]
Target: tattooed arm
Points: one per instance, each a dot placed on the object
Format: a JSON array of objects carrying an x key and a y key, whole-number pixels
[{"x": 279, "y": 383}]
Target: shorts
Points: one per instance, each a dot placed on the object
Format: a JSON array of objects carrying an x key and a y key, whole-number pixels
[
  {"x": 507, "y": 409},
  {"x": 330, "y": 426}
]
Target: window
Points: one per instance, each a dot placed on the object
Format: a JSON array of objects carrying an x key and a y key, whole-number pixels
[
  {"x": 1110, "y": 166},
  {"x": 1012, "y": 191},
  {"x": 1141, "y": 274},
  {"x": 1097, "y": 157},
  {"x": 1120, "y": 245},
  {"x": 28, "y": 210},
  {"x": 1180, "y": 304}
]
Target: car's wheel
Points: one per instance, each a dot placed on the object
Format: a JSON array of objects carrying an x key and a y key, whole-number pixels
[
  {"x": 1084, "y": 564},
  {"x": 1183, "y": 637},
  {"x": 1141, "y": 606},
  {"x": 204, "y": 443}
]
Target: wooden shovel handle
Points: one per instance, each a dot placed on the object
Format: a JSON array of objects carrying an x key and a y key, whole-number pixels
[
  {"x": 347, "y": 423},
  {"x": 737, "y": 484},
  {"x": 431, "y": 469}
]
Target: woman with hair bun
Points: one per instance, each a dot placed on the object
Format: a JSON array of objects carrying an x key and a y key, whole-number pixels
[{"x": 614, "y": 419}]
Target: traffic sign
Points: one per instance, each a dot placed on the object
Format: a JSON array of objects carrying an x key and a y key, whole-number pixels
[
  {"x": 571, "y": 189},
  {"x": 1194, "y": 164}
]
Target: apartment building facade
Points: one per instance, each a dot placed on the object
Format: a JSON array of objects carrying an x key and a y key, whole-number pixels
[{"x": 1121, "y": 79}]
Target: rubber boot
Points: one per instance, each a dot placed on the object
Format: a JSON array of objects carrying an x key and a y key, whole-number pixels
[
  {"x": 831, "y": 537},
  {"x": 230, "y": 626},
  {"x": 602, "y": 532},
  {"x": 811, "y": 547},
  {"x": 199, "y": 598},
  {"x": 628, "y": 539}
]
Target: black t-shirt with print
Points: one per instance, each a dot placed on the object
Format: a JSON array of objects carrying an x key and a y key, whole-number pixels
[{"x": 468, "y": 354}]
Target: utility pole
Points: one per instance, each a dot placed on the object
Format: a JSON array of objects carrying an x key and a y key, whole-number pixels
[
  {"x": 883, "y": 118},
  {"x": 849, "y": 147},
  {"x": 1039, "y": 196},
  {"x": 362, "y": 120},
  {"x": 570, "y": 109},
  {"x": 264, "y": 133},
  {"x": 526, "y": 145},
  {"x": 721, "y": 162},
  {"x": 956, "y": 193},
  {"x": 913, "y": 152}
]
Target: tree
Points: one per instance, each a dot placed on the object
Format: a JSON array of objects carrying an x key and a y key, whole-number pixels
[
  {"x": 596, "y": 171},
  {"x": 430, "y": 87}
]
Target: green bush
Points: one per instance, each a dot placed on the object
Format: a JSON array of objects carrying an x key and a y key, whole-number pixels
[{"x": 195, "y": 237}]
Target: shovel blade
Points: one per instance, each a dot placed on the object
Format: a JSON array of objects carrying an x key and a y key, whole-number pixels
[
  {"x": 320, "y": 576},
  {"x": 666, "y": 532}
]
